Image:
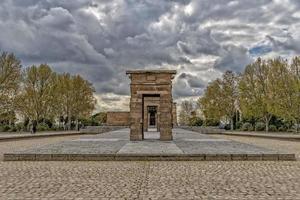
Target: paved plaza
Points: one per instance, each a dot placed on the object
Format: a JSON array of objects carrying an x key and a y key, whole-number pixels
[
  {"x": 115, "y": 145},
  {"x": 212, "y": 180}
]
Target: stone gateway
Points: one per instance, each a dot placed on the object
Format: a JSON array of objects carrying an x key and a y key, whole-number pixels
[{"x": 151, "y": 103}]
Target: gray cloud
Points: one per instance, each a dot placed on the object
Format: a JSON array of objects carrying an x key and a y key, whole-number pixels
[
  {"x": 192, "y": 80},
  {"x": 100, "y": 39}
]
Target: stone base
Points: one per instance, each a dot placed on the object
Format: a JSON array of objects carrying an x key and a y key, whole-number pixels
[
  {"x": 148, "y": 157},
  {"x": 115, "y": 145},
  {"x": 135, "y": 138},
  {"x": 166, "y": 138}
]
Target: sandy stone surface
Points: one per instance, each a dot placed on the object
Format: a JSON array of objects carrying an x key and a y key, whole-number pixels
[
  {"x": 149, "y": 180},
  {"x": 277, "y": 145},
  {"x": 184, "y": 143}
]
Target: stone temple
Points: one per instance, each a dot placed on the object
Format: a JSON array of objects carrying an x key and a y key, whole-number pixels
[{"x": 151, "y": 103}]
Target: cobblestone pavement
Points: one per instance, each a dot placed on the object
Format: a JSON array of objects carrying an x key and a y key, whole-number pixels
[{"x": 148, "y": 180}]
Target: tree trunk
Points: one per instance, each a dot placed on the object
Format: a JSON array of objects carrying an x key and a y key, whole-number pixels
[
  {"x": 76, "y": 124},
  {"x": 267, "y": 120},
  {"x": 28, "y": 125},
  {"x": 69, "y": 122},
  {"x": 231, "y": 124}
]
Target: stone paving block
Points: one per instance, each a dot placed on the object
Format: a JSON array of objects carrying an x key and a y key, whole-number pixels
[
  {"x": 254, "y": 157},
  {"x": 270, "y": 157},
  {"x": 26, "y": 157},
  {"x": 217, "y": 157},
  {"x": 100, "y": 158},
  {"x": 210, "y": 157},
  {"x": 286, "y": 157},
  {"x": 43, "y": 157},
  {"x": 60, "y": 157},
  {"x": 10, "y": 157},
  {"x": 197, "y": 157},
  {"x": 237, "y": 157},
  {"x": 131, "y": 158},
  {"x": 224, "y": 157}
]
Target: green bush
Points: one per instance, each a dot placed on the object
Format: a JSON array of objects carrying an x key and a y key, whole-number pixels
[
  {"x": 13, "y": 129},
  {"x": 195, "y": 121},
  {"x": 247, "y": 127},
  {"x": 239, "y": 125},
  {"x": 211, "y": 122},
  {"x": 227, "y": 127},
  {"x": 282, "y": 129},
  {"x": 20, "y": 126},
  {"x": 272, "y": 128},
  {"x": 56, "y": 128},
  {"x": 42, "y": 127},
  {"x": 260, "y": 126},
  {"x": 4, "y": 128}
]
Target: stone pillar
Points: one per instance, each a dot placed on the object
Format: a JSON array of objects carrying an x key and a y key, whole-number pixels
[
  {"x": 166, "y": 117},
  {"x": 145, "y": 116},
  {"x": 136, "y": 119},
  {"x": 174, "y": 114}
]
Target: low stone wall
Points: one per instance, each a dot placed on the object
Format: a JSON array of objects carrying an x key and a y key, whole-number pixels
[
  {"x": 118, "y": 118},
  {"x": 204, "y": 130},
  {"x": 100, "y": 129}
]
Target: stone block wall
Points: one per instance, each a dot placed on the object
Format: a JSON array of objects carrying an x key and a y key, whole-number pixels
[{"x": 118, "y": 119}]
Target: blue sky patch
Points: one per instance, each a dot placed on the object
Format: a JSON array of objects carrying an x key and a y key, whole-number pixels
[{"x": 260, "y": 50}]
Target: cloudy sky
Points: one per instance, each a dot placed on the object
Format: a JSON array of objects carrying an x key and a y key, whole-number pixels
[{"x": 101, "y": 39}]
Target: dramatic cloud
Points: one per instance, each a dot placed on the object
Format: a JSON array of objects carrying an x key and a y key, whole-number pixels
[{"x": 101, "y": 39}]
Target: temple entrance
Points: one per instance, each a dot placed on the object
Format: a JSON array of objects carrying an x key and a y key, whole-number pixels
[
  {"x": 152, "y": 118},
  {"x": 151, "y": 104},
  {"x": 151, "y": 115}
]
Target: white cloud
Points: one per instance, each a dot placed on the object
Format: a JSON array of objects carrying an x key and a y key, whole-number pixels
[{"x": 100, "y": 39}]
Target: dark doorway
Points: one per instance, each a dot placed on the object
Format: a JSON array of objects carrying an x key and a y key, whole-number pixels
[
  {"x": 152, "y": 110},
  {"x": 150, "y": 115}
]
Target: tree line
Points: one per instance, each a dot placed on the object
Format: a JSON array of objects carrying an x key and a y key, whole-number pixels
[
  {"x": 37, "y": 93},
  {"x": 267, "y": 90}
]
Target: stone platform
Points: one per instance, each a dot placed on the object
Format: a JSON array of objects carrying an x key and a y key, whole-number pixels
[{"x": 115, "y": 145}]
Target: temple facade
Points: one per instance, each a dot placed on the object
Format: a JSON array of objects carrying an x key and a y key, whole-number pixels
[{"x": 151, "y": 103}]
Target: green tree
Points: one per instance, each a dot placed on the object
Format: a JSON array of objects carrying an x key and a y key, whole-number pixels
[
  {"x": 211, "y": 103},
  {"x": 100, "y": 117},
  {"x": 284, "y": 89},
  {"x": 220, "y": 99},
  {"x": 10, "y": 73},
  {"x": 75, "y": 97},
  {"x": 83, "y": 100},
  {"x": 229, "y": 94},
  {"x": 186, "y": 109},
  {"x": 255, "y": 99},
  {"x": 64, "y": 97},
  {"x": 36, "y": 98}
]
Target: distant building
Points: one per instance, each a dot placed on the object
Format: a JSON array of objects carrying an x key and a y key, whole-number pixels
[{"x": 118, "y": 118}]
